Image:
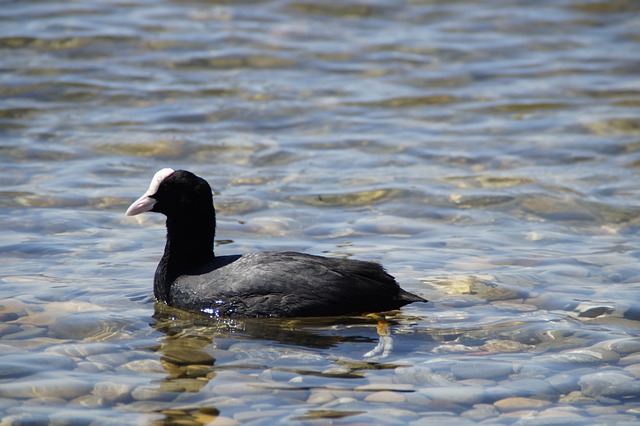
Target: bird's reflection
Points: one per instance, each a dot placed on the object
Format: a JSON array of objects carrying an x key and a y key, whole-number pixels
[{"x": 188, "y": 349}]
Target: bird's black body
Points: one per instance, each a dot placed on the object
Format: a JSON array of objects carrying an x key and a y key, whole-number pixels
[
  {"x": 279, "y": 284},
  {"x": 287, "y": 284}
]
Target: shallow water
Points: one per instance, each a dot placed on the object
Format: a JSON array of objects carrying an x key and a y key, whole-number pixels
[{"x": 485, "y": 152}]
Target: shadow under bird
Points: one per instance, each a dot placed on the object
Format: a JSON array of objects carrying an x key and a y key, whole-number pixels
[{"x": 263, "y": 284}]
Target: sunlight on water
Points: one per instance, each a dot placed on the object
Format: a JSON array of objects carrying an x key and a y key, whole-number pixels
[{"x": 485, "y": 152}]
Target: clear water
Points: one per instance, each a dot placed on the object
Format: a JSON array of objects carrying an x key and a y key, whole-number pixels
[{"x": 485, "y": 152}]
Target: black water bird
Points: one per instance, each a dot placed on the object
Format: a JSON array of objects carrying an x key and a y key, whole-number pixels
[{"x": 263, "y": 284}]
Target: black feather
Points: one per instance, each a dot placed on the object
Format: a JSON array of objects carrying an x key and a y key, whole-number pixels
[{"x": 282, "y": 284}]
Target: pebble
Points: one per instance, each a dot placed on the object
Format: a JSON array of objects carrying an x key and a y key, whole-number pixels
[
  {"x": 233, "y": 389},
  {"x": 442, "y": 419},
  {"x": 393, "y": 412},
  {"x": 519, "y": 403},
  {"x": 632, "y": 313},
  {"x": 529, "y": 387},
  {"x": 15, "y": 371},
  {"x": 441, "y": 407},
  {"x": 630, "y": 389},
  {"x": 386, "y": 396},
  {"x": 510, "y": 416},
  {"x": 630, "y": 359},
  {"x": 495, "y": 393},
  {"x": 23, "y": 364},
  {"x": 454, "y": 348},
  {"x": 600, "y": 383},
  {"x": 113, "y": 392},
  {"x": 9, "y": 329},
  {"x": 320, "y": 396},
  {"x": 56, "y": 310},
  {"x": 633, "y": 410},
  {"x": 618, "y": 420},
  {"x": 339, "y": 393},
  {"x": 374, "y": 417},
  {"x": 621, "y": 346},
  {"x": 47, "y": 400},
  {"x": 12, "y": 309},
  {"x": 340, "y": 401},
  {"x": 485, "y": 287},
  {"x": 144, "y": 366},
  {"x": 552, "y": 301},
  {"x": 146, "y": 393},
  {"x": 8, "y": 403},
  {"x": 564, "y": 383},
  {"x": 561, "y": 412},
  {"x": 531, "y": 370},
  {"x": 593, "y": 311},
  {"x": 481, "y": 412},
  {"x": 476, "y": 382},
  {"x": 223, "y": 421},
  {"x": 394, "y": 387},
  {"x": 25, "y": 419},
  {"x": 182, "y": 385},
  {"x": 82, "y": 350},
  {"x": 585, "y": 356},
  {"x": 481, "y": 370},
  {"x": 27, "y": 333},
  {"x": 222, "y": 402},
  {"x": 79, "y": 326},
  {"x": 8, "y": 349},
  {"x": 504, "y": 346},
  {"x": 93, "y": 367},
  {"x": 600, "y": 411},
  {"x": 76, "y": 416},
  {"x": 247, "y": 416},
  {"x": 466, "y": 395},
  {"x": 418, "y": 399},
  {"x": 634, "y": 370},
  {"x": 198, "y": 370},
  {"x": 257, "y": 353},
  {"x": 33, "y": 344},
  {"x": 337, "y": 371},
  {"x": 113, "y": 359},
  {"x": 516, "y": 306},
  {"x": 67, "y": 388},
  {"x": 90, "y": 401},
  {"x": 186, "y": 356},
  {"x": 576, "y": 398}
]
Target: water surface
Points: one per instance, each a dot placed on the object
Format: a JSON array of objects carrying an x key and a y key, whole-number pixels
[{"x": 487, "y": 153}]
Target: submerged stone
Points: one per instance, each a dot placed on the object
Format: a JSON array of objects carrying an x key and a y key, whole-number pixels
[
  {"x": 481, "y": 370},
  {"x": 386, "y": 397},
  {"x": 486, "y": 287},
  {"x": 113, "y": 391},
  {"x": 621, "y": 346},
  {"x": 466, "y": 395},
  {"x": 597, "y": 384},
  {"x": 564, "y": 382},
  {"x": 520, "y": 403},
  {"x": 424, "y": 376},
  {"x": 66, "y": 388}
]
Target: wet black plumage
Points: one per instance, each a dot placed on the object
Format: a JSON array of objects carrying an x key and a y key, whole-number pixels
[{"x": 282, "y": 284}]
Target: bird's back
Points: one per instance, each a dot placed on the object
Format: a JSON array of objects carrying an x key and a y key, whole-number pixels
[{"x": 287, "y": 284}]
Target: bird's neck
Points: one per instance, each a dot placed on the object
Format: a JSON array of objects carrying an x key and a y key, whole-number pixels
[{"x": 189, "y": 245}]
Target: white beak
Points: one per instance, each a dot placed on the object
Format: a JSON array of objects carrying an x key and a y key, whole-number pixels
[
  {"x": 141, "y": 205},
  {"x": 146, "y": 202}
]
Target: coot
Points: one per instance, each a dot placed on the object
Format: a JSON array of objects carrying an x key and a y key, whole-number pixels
[{"x": 264, "y": 284}]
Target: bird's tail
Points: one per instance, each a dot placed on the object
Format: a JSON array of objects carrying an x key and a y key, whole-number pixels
[{"x": 407, "y": 297}]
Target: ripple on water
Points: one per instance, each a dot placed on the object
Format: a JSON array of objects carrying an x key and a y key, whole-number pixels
[{"x": 488, "y": 164}]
